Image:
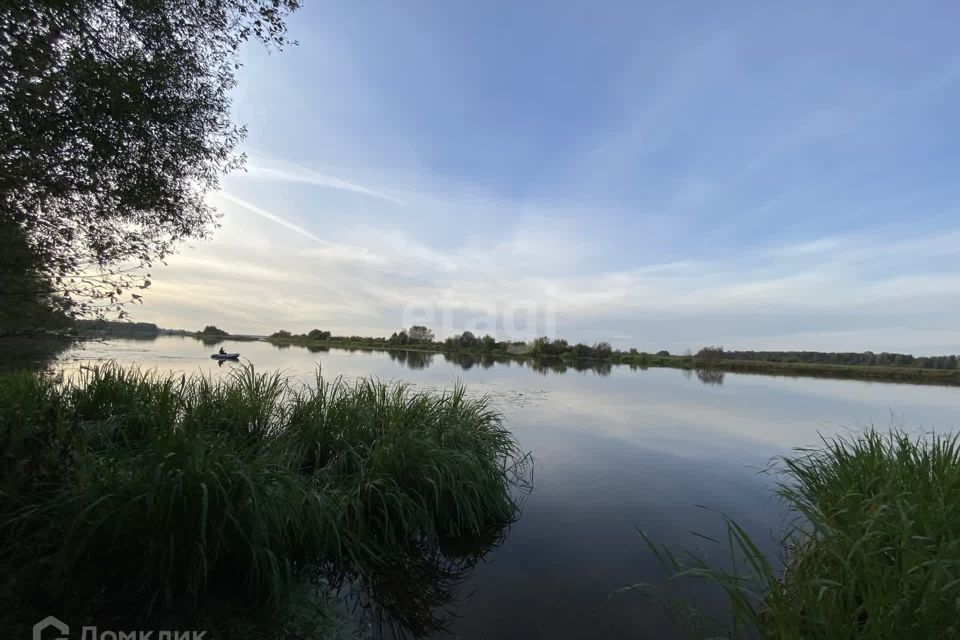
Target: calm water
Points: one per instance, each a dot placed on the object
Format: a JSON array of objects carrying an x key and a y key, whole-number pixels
[{"x": 616, "y": 449}]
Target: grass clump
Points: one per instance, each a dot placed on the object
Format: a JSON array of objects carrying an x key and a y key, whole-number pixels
[
  {"x": 126, "y": 494},
  {"x": 873, "y": 552}
]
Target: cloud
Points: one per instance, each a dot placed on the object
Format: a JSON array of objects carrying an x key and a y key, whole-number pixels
[
  {"x": 753, "y": 178},
  {"x": 285, "y": 171},
  {"x": 819, "y": 245},
  {"x": 282, "y": 282},
  {"x": 272, "y": 217}
]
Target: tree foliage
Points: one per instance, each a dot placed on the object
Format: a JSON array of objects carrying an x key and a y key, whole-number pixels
[
  {"x": 419, "y": 333},
  {"x": 212, "y": 330},
  {"x": 27, "y": 306},
  {"x": 467, "y": 341},
  {"x": 558, "y": 347},
  {"x": 863, "y": 359},
  {"x": 710, "y": 354},
  {"x": 114, "y": 123},
  {"x": 400, "y": 338},
  {"x": 489, "y": 343}
]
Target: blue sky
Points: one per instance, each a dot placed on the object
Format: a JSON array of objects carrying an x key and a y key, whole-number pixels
[{"x": 659, "y": 175}]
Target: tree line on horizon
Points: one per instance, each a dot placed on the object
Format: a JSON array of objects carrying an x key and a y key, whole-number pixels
[
  {"x": 545, "y": 347},
  {"x": 847, "y": 358}
]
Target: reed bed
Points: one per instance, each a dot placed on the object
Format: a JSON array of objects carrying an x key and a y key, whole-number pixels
[
  {"x": 129, "y": 493},
  {"x": 873, "y": 550}
]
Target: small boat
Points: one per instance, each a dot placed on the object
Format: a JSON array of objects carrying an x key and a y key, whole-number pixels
[{"x": 225, "y": 356}]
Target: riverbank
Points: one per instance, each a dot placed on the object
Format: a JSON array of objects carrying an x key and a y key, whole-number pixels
[
  {"x": 130, "y": 498},
  {"x": 912, "y": 375},
  {"x": 520, "y": 351}
]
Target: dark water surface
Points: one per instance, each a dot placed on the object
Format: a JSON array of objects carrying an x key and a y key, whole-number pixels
[{"x": 616, "y": 449}]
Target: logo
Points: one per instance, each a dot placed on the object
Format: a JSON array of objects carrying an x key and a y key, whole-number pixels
[
  {"x": 92, "y": 633},
  {"x": 50, "y": 621}
]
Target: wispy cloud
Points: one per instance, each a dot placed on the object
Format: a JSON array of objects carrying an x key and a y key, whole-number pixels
[
  {"x": 284, "y": 171},
  {"x": 272, "y": 217},
  {"x": 820, "y": 245},
  {"x": 328, "y": 250},
  {"x": 342, "y": 287}
]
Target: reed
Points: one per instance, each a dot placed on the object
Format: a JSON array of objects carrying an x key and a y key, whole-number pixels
[
  {"x": 873, "y": 550},
  {"x": 134, "y": 494}
]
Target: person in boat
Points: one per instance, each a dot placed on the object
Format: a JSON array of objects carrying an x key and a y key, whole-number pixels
[{"x": 222, "y": 352}]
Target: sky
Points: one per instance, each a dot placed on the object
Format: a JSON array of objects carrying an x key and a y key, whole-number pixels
[{"x": 759, "y": 175}]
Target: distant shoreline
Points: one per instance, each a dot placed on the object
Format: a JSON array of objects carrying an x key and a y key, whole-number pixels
[
  {"x": 558, "y": 352},
  {"x": 903, "y": 374}
]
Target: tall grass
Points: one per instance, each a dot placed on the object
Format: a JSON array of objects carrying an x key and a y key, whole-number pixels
[
  {"x": 873, "y": 550},
  {"x": 130, "y": 493}
]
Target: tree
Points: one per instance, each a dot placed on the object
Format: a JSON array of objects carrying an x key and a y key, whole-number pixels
[
  {"x": 580, "y": 350},
  {"x": 489, "y": 343},
  {"x": 602, "y": 350},
  {"x": 27, "y": 306},
  {"x": 317, "y": 334},
  {"x": 211, "y": 330},
  {"x": 399, "y": 338},
  {"x": 710, "y": 354},
  {"x": 114, "y": 123},
  {"x": 419, "y": 333},
  {"x": 540, "y": 346}
]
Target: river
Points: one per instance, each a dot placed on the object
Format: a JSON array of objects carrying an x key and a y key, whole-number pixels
[{"x": 616, "y": 449}]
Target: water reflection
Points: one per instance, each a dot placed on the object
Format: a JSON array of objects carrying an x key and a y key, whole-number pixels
[
  {"x": 710, "y": 376},
  {"x": 23, "y": 354},
  {"x": 417, "y": 360},
  {"x": 545, "y": 366},
  {"x": 412, "y": 359},
  {"x": 412, "y": 593},
  {"x": 467, "y": 361}
]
